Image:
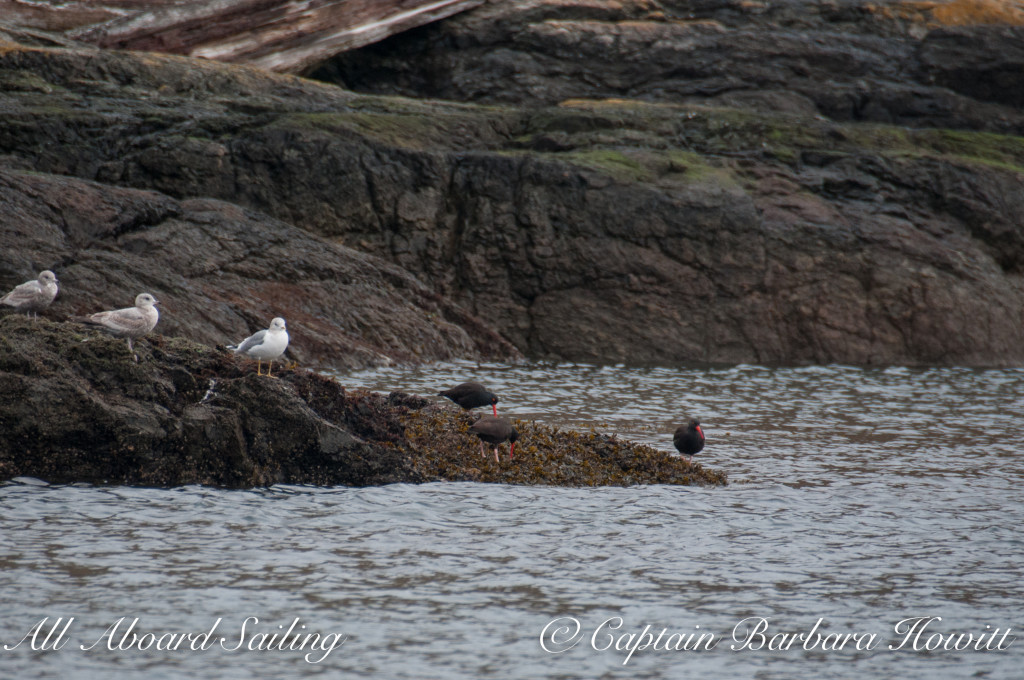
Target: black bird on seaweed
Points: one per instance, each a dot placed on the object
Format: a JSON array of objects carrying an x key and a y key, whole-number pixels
[
  {"x": 470, "y": 395},
  {"x": 689, "y": 439},
  {"x": 494, "y": 431}
]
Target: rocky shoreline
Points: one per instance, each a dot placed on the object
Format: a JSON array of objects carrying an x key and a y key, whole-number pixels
[
  {"x": 644, "y": 182},
  {"x": 75, "y": 407},
  {"x": 616, "y": 226}
]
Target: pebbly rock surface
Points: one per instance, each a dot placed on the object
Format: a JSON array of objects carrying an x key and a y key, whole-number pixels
[
  {"x": 75, "y": 407},
  {"x": 647, "y": 229}
]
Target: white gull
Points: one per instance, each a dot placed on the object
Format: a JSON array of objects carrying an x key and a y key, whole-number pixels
[
  {"x": 130, "y": 322},
  {"x": 264, "y": 345},
  {"x": 32, "y": 297}
]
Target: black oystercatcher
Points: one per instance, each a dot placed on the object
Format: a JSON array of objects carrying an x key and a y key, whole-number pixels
[
  {"x": 689, "y": 439},
  {"x": 470, "y": 395},
  {"x": 494, "y": 431}
]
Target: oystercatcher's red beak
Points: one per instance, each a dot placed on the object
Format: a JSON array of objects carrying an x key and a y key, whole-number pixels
[
  {"x": 511, "y": 448},
  {"x": 700, "y": 432}
]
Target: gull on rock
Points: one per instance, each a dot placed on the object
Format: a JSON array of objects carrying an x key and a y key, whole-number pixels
[
  {"x": 264, "y": 345},
  {"x": 32, "y": 297},
  {"x": 130, "y": 322}
]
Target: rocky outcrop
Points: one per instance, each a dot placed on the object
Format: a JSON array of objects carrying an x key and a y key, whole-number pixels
[
  {"x": 594, "y": 230},
  {"x": 278, "y": 35},
  {"x": 75, "y": 407},
  {"x": 222, "y": 272},
  {"x": 957, "y": 64}
]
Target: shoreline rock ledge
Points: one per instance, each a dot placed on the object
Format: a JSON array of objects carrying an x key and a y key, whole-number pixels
[{"x": 75, "y": 407}]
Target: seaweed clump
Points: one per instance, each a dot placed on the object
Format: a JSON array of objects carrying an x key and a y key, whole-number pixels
[{"x": 442, "y": 448}]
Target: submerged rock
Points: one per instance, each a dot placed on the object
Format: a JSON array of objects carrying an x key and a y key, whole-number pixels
[{"x": 75, "y": 407}]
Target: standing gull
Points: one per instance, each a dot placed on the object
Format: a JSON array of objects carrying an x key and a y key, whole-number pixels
[
  {"x": 130, "y": 322},
  {"x": 268, "y": 344},
  {"x": 32, "y": 297}
]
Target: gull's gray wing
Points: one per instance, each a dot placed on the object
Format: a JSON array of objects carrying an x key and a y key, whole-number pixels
[
  {"x": 128, "y": 321},
  {"x": 26, "y": 293},
  {"x": 254, "y": 340}
]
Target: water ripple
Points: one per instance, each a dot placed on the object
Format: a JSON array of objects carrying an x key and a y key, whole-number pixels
[{"x": 859, "y": 496}]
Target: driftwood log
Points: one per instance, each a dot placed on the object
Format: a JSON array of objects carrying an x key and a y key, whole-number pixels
[{"x": 286, "y": 36}]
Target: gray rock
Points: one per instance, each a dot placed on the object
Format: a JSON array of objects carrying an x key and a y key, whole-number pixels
[
  {"x": 220, "y": 271},
  {"x": 611, "y": 230}
]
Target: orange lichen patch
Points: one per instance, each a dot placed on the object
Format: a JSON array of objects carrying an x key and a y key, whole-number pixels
[
  {"x": 966, "y": 12},
  {"x": 959, "y": 12},
  {"x": 8, "y": 47}
]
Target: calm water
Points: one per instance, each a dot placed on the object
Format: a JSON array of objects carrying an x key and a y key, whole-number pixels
[{"x": 858, "y": 497}]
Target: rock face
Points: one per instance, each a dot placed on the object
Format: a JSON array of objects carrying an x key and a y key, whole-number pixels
[
  {"x": 75, "y": 407},
  {"x": 716, "y": 219},
  {"x": 944, "y": 64},
  {"x": 222, "y": 272}
]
